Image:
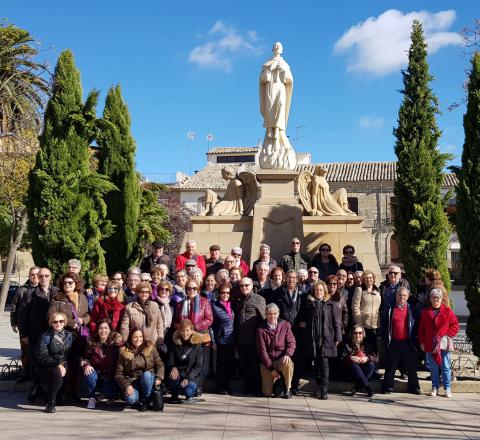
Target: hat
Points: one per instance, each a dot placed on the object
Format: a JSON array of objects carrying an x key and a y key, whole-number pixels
[
  {"x": 237, "y": 250},
  {"x": 214, "y": 247},
  {"x": 191, "y": 262},
  {"x": 157, "y": 244}
]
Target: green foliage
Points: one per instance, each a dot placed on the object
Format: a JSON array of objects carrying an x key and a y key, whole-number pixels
[
  {"x": 66, "y": 207},
  {"x": 151, "y": 219},
  {"x": 116, "y": 158},
  {"x": 421, "y": 226},
  {"x": 468, "y": 205}
]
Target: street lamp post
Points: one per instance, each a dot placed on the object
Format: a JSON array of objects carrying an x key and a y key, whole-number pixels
[{"x": 191, "y": 137}]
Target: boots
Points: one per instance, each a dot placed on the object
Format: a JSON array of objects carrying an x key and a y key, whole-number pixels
[
  {"x": 157, "y": 399},
  {"x": 323, "y": 393},
  {"x": 142, "y": 405},
  {"x": 50, "y": 408}
]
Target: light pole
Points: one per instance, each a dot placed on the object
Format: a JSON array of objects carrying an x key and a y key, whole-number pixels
[
  {"x": 191, "y": 137},
  {"x": 210, "y": 139}
]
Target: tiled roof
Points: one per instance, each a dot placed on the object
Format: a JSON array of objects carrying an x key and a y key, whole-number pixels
[
  {"x": 211, "y": 177},
  {"x": 233, "y": 150}
]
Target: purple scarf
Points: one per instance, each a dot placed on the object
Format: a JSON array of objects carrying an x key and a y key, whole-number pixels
[{"x": 228, "y": 308}]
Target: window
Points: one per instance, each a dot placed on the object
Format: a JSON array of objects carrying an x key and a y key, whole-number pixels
[
  {"x": 394, "y": 257},
  {"x": 235, "y": 159},
  {"x": 393, "y": 208},
  {"x": 353, "y": 204}
]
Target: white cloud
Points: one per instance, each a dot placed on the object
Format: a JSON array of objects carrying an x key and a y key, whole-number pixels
[
  {"x": 370, "y": 122},
  {"x": 379, "y": 45},
  {"x": 226, "y": 43}
]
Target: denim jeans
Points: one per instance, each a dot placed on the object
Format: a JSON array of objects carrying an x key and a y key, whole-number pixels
[
  {"x": 363, "y": 373},
  {"x": 176, "y": 388},
  {"x": 142, "y": 388},
  {"x": 108, "y": 387},
  {"x": 445, "y": 368}
]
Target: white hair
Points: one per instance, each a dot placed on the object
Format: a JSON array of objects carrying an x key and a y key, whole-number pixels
[{"x": 272, "y": 307}]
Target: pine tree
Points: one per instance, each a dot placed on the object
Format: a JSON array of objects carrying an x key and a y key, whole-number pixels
[
  {"x": 117, "y": 161},
  {"x": 468, "y": 205},
  {"x": 66, "y": 209},
  {"x": 421, "y": 225}
]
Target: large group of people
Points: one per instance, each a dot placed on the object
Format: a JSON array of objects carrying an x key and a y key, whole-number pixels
[{"x": 169, "y": 324}]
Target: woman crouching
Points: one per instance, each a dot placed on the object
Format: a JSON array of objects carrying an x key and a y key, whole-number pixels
[
  {"x": 185, "y": 360},
  {"x": 140, "y": 371}
]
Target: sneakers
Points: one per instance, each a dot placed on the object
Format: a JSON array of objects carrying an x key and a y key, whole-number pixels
[
  {"x": 91, "y": 403},
  {"x": 448, "y": 393},
  {"x": 434, "y": 392}
]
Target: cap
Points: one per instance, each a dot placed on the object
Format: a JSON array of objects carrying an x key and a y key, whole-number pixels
[
  {"x": 237, "y": 250},
  {"x": 191, "y": 262},
  {"x": 214, "y": 247}
]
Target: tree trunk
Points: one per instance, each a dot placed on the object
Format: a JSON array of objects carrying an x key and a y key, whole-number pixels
[{"x": 17, "y": 234}]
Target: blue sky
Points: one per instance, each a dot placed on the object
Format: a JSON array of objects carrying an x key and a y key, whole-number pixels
[{"x": 194, "y": 66}]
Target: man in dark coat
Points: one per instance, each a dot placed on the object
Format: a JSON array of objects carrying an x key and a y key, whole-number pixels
[
  {"x": 156, "y": 258},
  {"x": 249, "y": 311},
  {"x": 262, "y": 285},
  {"x": 214, "y": 263},
  {"x": 388, "y": 288},
  {"x": 295, "y": 259},
  {"x": 288, "y": 298},
  {"x": 276, "y": 345},
  {"x": 33, "y": 320}
]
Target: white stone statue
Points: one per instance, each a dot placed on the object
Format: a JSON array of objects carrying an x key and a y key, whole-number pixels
[
  {"x": 314, "y": 192},
  {"x": 276, "y": 85},
  {"x": 239, "y": 198}
]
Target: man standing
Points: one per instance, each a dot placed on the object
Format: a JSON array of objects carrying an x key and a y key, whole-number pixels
[
  {"x": 249, "y": 311},
  {"x": 262, "y": 285},
  {"x": 388, "y": 288},
  {"x": 288, "y": 298},
  {"x": 156, "y": 258},
  {"x": 133, "y": 280},
  {"x": 74, "y": 265},
  {"x": 30, "y": 285},
  {"x": 236, "y": 253},
  {"x": 399, "y": 331},
  {"x": 214, "y": 263},
  {"x": 312, "y": 278},
  {"x": 264, "y": 258},
  {"x": 191, "y": 254},
  {"x": 276, "y": 345},
  {"x": 295, "y": 259},
  {"x": 32, "y": 320}
]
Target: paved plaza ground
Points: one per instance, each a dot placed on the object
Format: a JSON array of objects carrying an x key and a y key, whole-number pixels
[{"x": 398, "y": 415}]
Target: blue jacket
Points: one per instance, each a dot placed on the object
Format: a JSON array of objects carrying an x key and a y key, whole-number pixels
[
  {"x": 386, "y": 325},
  {"x": 222, "y": 324}
]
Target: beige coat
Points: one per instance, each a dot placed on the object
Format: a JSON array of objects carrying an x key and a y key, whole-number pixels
[
  {"x": 366, "y": 308},
  {"x": 135, "y": 317}
]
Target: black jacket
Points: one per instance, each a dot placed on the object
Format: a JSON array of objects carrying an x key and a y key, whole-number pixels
[
  {"x": 33, "y": 312},
  {"x": 249, "y": 314},
  {"x": 186, "y": 357},
  {"x": 311, "y": 336},
  {"x": 53, "y": 348},
  {"x": 288, "y": 308},
  {"x": 324, "y": 269}
]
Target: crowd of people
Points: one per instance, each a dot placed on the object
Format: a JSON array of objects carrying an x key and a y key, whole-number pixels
[{"x": 168, "y": 325}]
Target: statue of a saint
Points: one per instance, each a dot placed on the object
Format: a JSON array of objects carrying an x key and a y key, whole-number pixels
[
  {"x": 314, "y": 192},
  {"x": 239, "y": 197},
  {"x": 276, "y": 85}
]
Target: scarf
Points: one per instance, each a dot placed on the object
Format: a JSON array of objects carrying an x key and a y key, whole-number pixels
[
  {"x": 154, "y": 294},
  {"x": 73, "y": 298},
  {"x": 145, "y": 306},
  {"x": 228, "y": 308},
  {"x": 436, "y": 347},
  {"x": 349, "y": 261},
  {"x": 191, "y": 309}
]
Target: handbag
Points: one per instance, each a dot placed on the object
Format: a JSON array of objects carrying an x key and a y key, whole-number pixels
[
  {"x": 446, "y": 343},
  {"x": 157, "y": 398},
  {"x": 82, "y": 330}
]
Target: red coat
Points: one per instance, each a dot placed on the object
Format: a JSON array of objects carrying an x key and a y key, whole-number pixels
[
  {"x": 444, "y": 324},
  {"x": 274, "y": 344},
  {"x": 244, "y": 267},
  {"x": 204, "y": 319},
  {"x": 107, "y": 309},
  {"x": 182, "y": 259}
]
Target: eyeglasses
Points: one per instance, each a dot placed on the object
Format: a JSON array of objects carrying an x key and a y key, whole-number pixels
[
  {"x": 191, "y": 289},
  {"x": 34, "y": 274},
  {"x": 350, "y": 278},
  {"x": 225, "y": 292},
  {"x": 394, "y": 273},
  {"x": 43, "y": 276},
  {"x": 236, "y": 255},
  {"x": 312, "y": 271},
  {"x": 113, "y": 289},
  {"x": 117, "y": 279},
  {"x": 295, "y": 242},
  {"x": 358, "y": 333},
  {"x": 244, "y": 285},
  {"x": 144, "y": 291},
  {"x": 60, "y": 321},
  {"x": 324, "y": 250},
  {"x": 68, "y": 283},
  {"x": 163, "y": 289},
  {"x": 332, "y": 284}
]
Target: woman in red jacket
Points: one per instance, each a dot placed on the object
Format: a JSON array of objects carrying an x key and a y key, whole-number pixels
[
  {"x": 109, "y": 306},
  {"x": 438, "y": 325},
  {"x": 197, "y": 309}
]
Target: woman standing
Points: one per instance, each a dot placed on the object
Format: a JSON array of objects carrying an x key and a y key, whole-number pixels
[
  {"x": 108, "y": 306},
  {"x": 139, "y": 371},
  {"x": 361, "y": 359},
  {"x": 339, "y": 301},
  {"x": 51, "y": 357},
  {"x": 325, "y": 262},
  {"x": 320, "y": 333},
  {"x": 143, "y": 314},
  {"x": 224, "y": 338},
  {"x": 438, "y": 325},
  {"x": 99, "y": 361},
  {"x": 349, "y": 261},
  {"x": 366, "y": 308},
  {"x": 164, "y": 292}
]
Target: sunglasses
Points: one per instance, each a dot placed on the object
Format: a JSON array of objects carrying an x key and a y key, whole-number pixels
[
  {"x": 68, "y": 283},
  {"x": 43, "y": 276},
  {"x": 394, "y": 273},
  {"x": 295, "y": 242},
  {"x": 192, "y": 289},
  {"x": 145, "y": 291},
  {"x": 113, "y": 289},
  {"x": 332, "y": 284},
  {"x": 244, "y": 285},
  {"x": 225, "y": 292},
  {"x": 163, "y": 289},
  {"x": 312, "y": 271},
  {"x": 60, "y": 321}
]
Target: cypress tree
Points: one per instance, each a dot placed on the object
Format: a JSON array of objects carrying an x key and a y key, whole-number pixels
[
  {"x": 66, "y": 210},
  {"x": 421, "y": 225},
  {"x": 117, "y": 161},
  {"x": 468, "y": 205}
]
